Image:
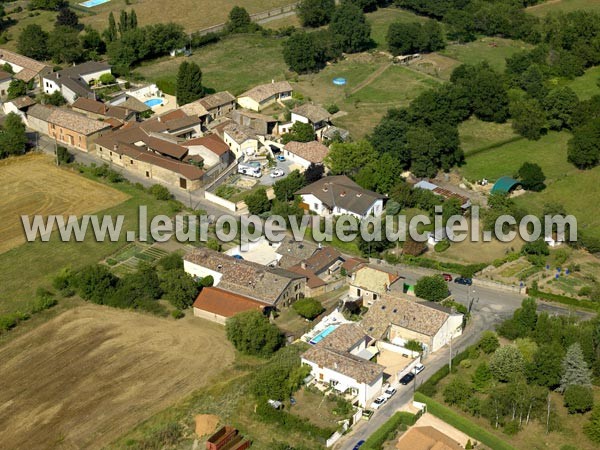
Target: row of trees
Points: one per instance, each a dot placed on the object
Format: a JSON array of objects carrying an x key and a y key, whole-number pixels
[{"x": 511, "y": 387}]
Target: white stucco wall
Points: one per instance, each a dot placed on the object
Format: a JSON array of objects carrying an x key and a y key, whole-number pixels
[
  {"x": 196, "y": 270},
  {"x": 452, "y": 328}
]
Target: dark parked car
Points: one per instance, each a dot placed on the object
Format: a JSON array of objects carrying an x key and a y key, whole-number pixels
[
  {"x": 447, "y": 276},
  {"x": 407, "y": 378},
  {"x": 359, "y": 444},
  {"x": 465, "y": 281}
]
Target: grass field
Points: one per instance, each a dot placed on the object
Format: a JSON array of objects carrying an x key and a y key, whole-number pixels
[
  {"x": 92, "y": 373},
  {"x": 41, "y": 261},
  {"x": 476, "y": 134},
  {"x": 550, "y": 152},
  {"x": 32, "y": 185},
  {"x": 493, "y": 50},
  {"x": 193, "y": 15},
  {"x": 235, "y": 64},
  {"x": 586, "y": 86},
  {"x": 564, "y": 6}
]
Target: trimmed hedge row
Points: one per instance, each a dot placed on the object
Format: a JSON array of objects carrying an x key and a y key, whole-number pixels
[
  {"x": 386, "y": 431},
  {"x": 588, "y": 304},
  {"x": 463, "y": 424}
]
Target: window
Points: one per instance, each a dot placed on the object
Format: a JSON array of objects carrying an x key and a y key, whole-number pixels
[
  {"x": 374, "y": 296},
  {"x": 147, "y": 174},
  {"x": 131, "y": 161}
]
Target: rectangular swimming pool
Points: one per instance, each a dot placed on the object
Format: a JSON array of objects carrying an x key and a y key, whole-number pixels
[
  {"x": 323, "y": 334},
  {"x": 92, "y": 3}
]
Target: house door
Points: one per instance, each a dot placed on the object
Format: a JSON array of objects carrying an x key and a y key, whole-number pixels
[
  {"x": 358, "y": 292},
  {"x": 182, "y": 183}
]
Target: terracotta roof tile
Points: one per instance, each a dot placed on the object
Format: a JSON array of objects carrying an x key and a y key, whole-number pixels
[
  {"x": 266, "y": 91},
  {"x": 314, "y": 151},
  {"x": 224, "y": 303}
]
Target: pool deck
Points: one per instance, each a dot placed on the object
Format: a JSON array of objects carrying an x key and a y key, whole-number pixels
[{"x": 169, "y": 105}]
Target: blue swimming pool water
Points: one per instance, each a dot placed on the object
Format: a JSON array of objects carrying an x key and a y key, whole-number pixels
[
  {"x": 323, "y": 334},
  {"x": 153, "y": 102},
  {"x": 92, "y": 3}
]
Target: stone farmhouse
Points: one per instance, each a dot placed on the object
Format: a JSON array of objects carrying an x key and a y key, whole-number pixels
[
  {"x": 259, "y": 97},
  {"x": 76, "y": 81}
]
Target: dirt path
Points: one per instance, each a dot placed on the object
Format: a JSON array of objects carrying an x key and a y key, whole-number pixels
[{"x": 370, "y": 79}]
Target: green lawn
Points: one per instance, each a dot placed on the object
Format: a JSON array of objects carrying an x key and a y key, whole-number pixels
[
  {"x": 476, "y": 134},
  {"x": 31, "y": 265},
  {"x": 564, "y": 6},
  {"x": 236, "y": 63},
  {"x": 44, "y": 19},
  {"x": 493, "y": 50},
  {"x": 550, "y": 152},
  {"x": 586, "y": 86},
  {"x": 381, "y": 19},
  {"x": 577, "y": 191}
]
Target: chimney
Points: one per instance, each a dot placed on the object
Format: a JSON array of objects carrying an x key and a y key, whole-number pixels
[
  {"x": 303, "y": 265},
  {"x": 116, "y": 147},
  {"x": 343, "y": 194}
]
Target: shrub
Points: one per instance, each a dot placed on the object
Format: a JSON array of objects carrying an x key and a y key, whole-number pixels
[
  {"x": 63, "y": 156},
  {"x": 170, "y": 262},
  {"x": 177, "y": 314},
  {"x": 442, "y": 246},
  {"x": 413, "y": 345},
  {"x": 512, "y": 428},
  {"x": 388, "y": 429},
  {"x": 489, "y": 342},
  {"x": 290, "y": 422},
  {"x": 309, "y": 308},
  {"x": 578, "y": 399},
  {"x": 160, "y": 192},
  {"x": 251, "y": 333}
]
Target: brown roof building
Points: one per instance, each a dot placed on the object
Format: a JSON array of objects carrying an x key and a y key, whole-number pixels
[
  {"x": 25, "y": 68},
  {"x": 218, "y": 305},
  {"x": 306, "y": 153},
  {"x": 98, "y": 110},
  {"x": 264, "y": 95}
]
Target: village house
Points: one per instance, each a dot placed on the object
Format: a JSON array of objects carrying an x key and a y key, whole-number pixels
[
  {"x": 370, "y": 283},
  {"x": 213, "y": 150},
  {"x": 314, "y": 115},
  {"x": 340, "y": 361},
  {"x": 241, "y": 140},
  {"x": 305, "y": 153},
  {"x": 211, "y": 107},
  {"x": 273, "y": 286},
  {"x": 322, "y": 270},
  {"x": 152, "y": 155},
  {"x": 339, "y": 195},
  {"x": 129, "y": 102},
  {"x": 292, "y": 252},
  {"x": 259, "y": 97},
  {"x": 262, "y": 124},
  {"x": 5, "y": 79},
  {"x": 75, "y": 81},
  {"x": 18, "y": 106},
  {"x": 24, "y": 68},
  {"x": 398, "y": 319},
  {"x": 176, "y": 124},
  {"x": 218, "y": 305},
  {"x": 66, "y": 127},
  {"x": 98, "y": 110}
]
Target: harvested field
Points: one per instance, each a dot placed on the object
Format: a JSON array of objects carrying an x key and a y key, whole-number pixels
[
  {"x": 33, "y": 185},
  {"x": 89, "y": 375}
]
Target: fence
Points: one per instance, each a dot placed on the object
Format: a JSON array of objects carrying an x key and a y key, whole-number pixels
[{"x": 256, "y": 17}]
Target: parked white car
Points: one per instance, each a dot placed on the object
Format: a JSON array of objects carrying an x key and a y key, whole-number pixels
[
  {"x": 418, "y": 368},
  {"x": 277, "y": 173},
  {"x": 389, "y": 392},
  {"x": 378, "y": 402}
]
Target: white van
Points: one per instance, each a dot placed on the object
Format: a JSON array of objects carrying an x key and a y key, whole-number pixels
[{"x": 250, "y": 169}]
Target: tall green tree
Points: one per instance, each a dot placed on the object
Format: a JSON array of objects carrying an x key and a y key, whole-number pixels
[
  {"x": 348, "y": 158},
  {"x": 575, "y": 370},
  {"x": 432, "y": 288},
  {"x": 299, "y": 132},
  {"x": 67, "y": 18},
  {"x": 532, "y": 177},
  {"x": 584, "y": 146},
  {"x": 64, "y": 45},
  {"x": 239, "y": 21},
  {"x": 16, "y": 88},
  {"x": 258, "y": 202},
  {"x": 33, "y": 42},
  {"x": 529, "y": 118},
  {"x": 560, "y": 104},
  {"x": 546, "y": 368},
  {"x": 592, "y": 428},
  {"x": 315, "y": 13},
  {"x": 251, "y": 333},
  {"x": 304, "y": 53},
  {"x": 111, "y": 33},
  {"x": 189, "y": 83},
  {"x": 179, "y": 288},
  {"x": 350, "y": 29},
  {"x": 284, "y": 189},
  {"x": 507, "y": 364},
  {"x": 13, "y": 139}
]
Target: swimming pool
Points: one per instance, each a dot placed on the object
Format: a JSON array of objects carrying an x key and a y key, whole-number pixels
[
  {"x": 154, "y": 102},
  {"x": 92, "y": 3},
  {"x": 323, "y": 334}
]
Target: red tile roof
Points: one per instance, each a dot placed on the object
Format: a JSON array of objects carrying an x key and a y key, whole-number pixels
[
  {"x": 224, "y": 303},
  {"x": 211, "y": 141}
]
